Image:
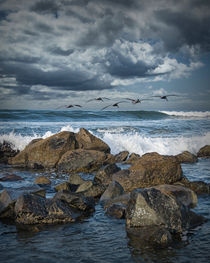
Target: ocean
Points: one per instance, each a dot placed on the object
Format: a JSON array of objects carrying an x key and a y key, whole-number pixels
[{"x": 101, "y": 238}]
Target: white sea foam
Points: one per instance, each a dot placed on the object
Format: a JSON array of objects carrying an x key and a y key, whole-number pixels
[
  {"x": 190, "y": 114},
  {"x": 141, "y": 144}
]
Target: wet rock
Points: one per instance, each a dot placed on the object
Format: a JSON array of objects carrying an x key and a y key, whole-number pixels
[
  {"x": 150, "y": 207},
  {"x": 66, "y": 186},
  {"x": 7, "y": 151},
  {"x": 9, "y": 196},
  {"x": 121, "y": 157},
  {"x": 76, "y": 200},
  {"x": 121, "y": 199},
  {"x": 11, "y": 178},
  {"x": 183, "y": 195},
  {"x": 76, "y": 179},
  {"x": 1, "y": 187},
  {"x": 204, "y": 152},
  {"x": 198, "y": 187},
  {"x": 113, "y": 190},
  {"x": 116, "y": 210},
  {"x": 186, "y": 157},
  {"x": 81, "y": 161},
  {"x": 104, "y": 175},
  {"x": 132, "y": 158},
  {"x": 45, "y": 153},
  {"x": 95, "y": 191},
  {"x": 42, "y": 180},
  {"x": 87, "y": 141},
  {"x": 84, "y": 187},
  {"x": 149, "y": 170}
]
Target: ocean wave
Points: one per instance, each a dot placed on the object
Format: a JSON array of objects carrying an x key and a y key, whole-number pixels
[{"x": 189, "y": 114}]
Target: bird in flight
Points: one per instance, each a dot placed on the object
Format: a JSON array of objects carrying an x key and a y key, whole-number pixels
[
  {"x": 113, "y": 105},
  {"x": 99, "y": 99},
  {"x": 165, "y": 97},
  {"x": 135, "y": 101},
  {"x": 70, "y": 106}
]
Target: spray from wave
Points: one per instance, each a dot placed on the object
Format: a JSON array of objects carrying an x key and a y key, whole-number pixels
[{"x": 189, "y": 114}]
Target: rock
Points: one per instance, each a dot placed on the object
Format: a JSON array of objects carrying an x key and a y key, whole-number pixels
[
  {"x": 104, "y": 175},
  {"x": 11, "y": 178},
  {"x": 7, "y": 151},
  {"x": 116, "y": 210},
  {"x": 153, "y": 236},
  {"x": 113, "y": 190},
  {"x": 43, "y": 180},
  {"x": 204, "y": 152},
  {"x": 149, "y": 170},
  {"x": 198, "y": 187},
  {"x": 76, "y": 179},
  {"x": 66, "y": 186},
  {"x": 9, "y": 196},
  {"x": 81, "y": 161},
  {"x": 121, "y": 199},
  {"x": 87, "y": 141},
  {"x": 95, "y": 191},
  {"x": 121, "y": 157},
  {"x": 45, "y": 153},
  {"x": 76, "y": 200},
  {"x": 84, "y": 187},
  {"x": 183, "y": 195},
  {"x": 186, "y": 157},
  {"x": 1, "y": 187},
  {"x": 132, "y": 158},
  {"x": 150, "y": 207}
]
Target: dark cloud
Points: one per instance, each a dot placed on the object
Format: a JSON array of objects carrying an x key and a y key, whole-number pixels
[
  {"x": 46, "y": 6},
  {"x": 60, "y": 52}
]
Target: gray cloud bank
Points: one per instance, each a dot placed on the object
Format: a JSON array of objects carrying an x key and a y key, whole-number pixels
[{"x": 93, "y": 45}]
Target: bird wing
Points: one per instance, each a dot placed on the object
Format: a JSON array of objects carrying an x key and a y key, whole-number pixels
[
  {"x": 129, "y": 99},
  {"x": 106, "y": 107},
  {"x": 78, "y": 105},
  {"x": 90, "y": 100},
  {"x": 157, "y": 96},
  {"x": 105, "y": 98},
  {"x": 172, "y": 95}
]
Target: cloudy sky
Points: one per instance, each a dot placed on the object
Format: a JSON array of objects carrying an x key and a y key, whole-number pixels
[{"x": 54, "y": 53}]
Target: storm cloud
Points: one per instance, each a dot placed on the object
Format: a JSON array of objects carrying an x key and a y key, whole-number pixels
[{"x": 82, "y": 45}]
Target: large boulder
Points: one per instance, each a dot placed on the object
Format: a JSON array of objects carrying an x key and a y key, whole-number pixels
[
  {"x": 149, "y": 170},
  {"x": 199, "y": 187},
  {"x": 45, "y": 153},
  {"x": 204, "y": 152},
  {"x": 186, "y": 157},
  {"x": 81, "y": 161},
  {"x": 104, "y": 175},
  {"x": 7, "y": 151},
  {"x": 113, "y": 190},
  {"x": 87, "y": 141}
]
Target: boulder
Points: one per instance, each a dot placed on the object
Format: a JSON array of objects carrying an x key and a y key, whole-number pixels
[
  {"x": 87, "y": 141},
  {"x": 84, "y": 187},
  {"x": 76, "y": 179},
  {"x": 116, "y": 210},
  {"x": 186, "y": 157},
  {"x": 149, "y": 170},
  {"x": 204, "y": 152},
  {"x": 95, "y": 191},
  {"x": 121, "y": 157},
  {"x": 104, "y": 175},
  {"x": 121, "y": 199},
  {"x": 9, "y": 196},
  {"x": 132, "y": 158},
  {"x": 11, "y": 178},
  {"x": 42, "y": 180},
  {"x": 45, "y": 153},
  {"x": 198, "y": 187},
  {"x": 7, "y": 151},
  {"x": 81, "y": 161},
  {"x": 183, "y": 195},
  {"x": 66, "y": 186},
  {"x": 113, "y": 190}
]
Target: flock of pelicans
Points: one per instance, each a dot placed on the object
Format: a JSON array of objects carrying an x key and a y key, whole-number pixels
[{"x": 133, "y": 101}]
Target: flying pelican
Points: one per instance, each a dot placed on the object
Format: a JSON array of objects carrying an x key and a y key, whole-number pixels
[
  {"x": 165, "y": 97},
  {"x": 99, "y": 99},
  {"x": 135, "y": 101},
  {"x": 70, "y": 106},
  {"x": 113, "y": 105}
]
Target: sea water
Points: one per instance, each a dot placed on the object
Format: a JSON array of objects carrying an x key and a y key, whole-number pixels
[{"x": 100, "y": 238}]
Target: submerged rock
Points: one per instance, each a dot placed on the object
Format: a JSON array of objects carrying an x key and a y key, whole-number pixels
[
  {"x": 204, "y": 152},
  {"x": 11, "y": 178}
]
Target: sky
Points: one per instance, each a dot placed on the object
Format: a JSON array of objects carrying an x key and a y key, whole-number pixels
[{"x": 56, "y": 53}]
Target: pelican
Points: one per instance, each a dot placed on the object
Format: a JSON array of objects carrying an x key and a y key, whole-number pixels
[
  {"x": 135, "y": 101},
  {"x": 99, "y": 99},
  {"x": 70, "y": 106},
  {"x": 165, "y": 97},
  {"x": 113, "y": 105}
]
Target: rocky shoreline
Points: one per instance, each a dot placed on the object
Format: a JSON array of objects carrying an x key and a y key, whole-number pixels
[{"x": 152, "y": 195}]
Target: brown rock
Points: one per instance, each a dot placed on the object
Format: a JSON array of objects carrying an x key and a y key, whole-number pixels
[
  {"x": 186, "y": 157},
  {"x": 84, "y": 187},
  {"x": 133, "y": 157},
  {"x": 88, "y": 141},
  {"x": 81, "y": 161},
  {"x": 204, "y": 152},
  {"x": 104, "y": 175},
  {"x": 45, "y": 153},
  {"x": 198, "y": 187},
  {"x": 121, "y": 157},
  {"x": 42, "y": 180},
  {"x": 113, "y": 190},
  {"x": 66, "y": 186},
  {"x": 116, "y": 210},
  {"x": 76, "y": 179},
  {"x": 7, "y": 151}
]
